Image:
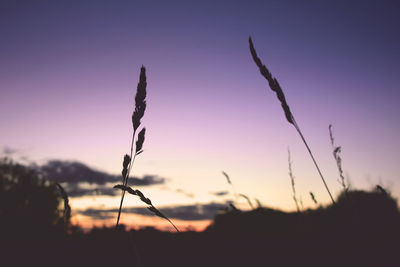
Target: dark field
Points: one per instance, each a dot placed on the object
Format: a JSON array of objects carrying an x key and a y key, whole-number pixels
[{"x": 361, "y": 229}]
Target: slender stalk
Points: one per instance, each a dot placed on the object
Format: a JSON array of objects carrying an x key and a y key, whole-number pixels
[
  {"x": 228, "y": 179},
  {"x": 275, "y": 86},
  {"x": 140, "y": 107},
  {"x": 292, "y": 181},
  {"x": 338, "y": 159},
  {"x": 313, "y": 159},
  {"x": 173, "y": 225},
  {"x": 126, "y": 179}
]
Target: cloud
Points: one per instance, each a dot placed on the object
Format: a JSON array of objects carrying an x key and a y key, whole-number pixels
[
  {"x": 187, "y": 194},
  {"x": 81, "y": 189},
  {"x": 8, "y": 151},
  {"x": 186, "y": 212},
  {"x": 80, "y": 180},
  {"x": 98, "y": 214},
  {"x": 76, "y": 172},
  {"x": 147, "y": 180},
  {"x": 220, "y": 193}
]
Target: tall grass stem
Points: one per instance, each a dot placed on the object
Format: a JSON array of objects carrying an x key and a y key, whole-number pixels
[
  {"x": 313, "y": 159},
  {"x": 126, "y": 179},
  {"x": 275, "y": 86}
]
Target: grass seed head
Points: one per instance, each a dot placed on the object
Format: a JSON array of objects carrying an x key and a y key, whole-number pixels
[
  {"x": 140, "y": 140},
  {"x": 140, "y": 102},
  {"x": 157, "y": 212},
  {"x": 274, "y": 85},
  {"x": 126, "y": 188},
  {"x": 227, "y": 177},
  {"x": 143, "y": 198},
  {"x": 313, "y": 198},
  {"x": 125, "y": 164},
  {"x": 273, "y": 82},
  {"x": 127, "y": 160}
]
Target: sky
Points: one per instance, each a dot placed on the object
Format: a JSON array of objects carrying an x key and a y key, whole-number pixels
[{"x": 69, "y": 71}]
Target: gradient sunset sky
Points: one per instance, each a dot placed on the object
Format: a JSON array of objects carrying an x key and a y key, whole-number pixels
[{"x": 69, "y": 71}]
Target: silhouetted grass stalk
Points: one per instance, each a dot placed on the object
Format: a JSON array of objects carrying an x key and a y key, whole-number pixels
[
  {"x": 274, "y": 85},
  {"x": 292, "y": 182},
  {"x": 228, "y": 179},
  {"x": 125, "y": 181},
  {"x": 313, "y": 198},
  {"x": 248, "y": 200},
  {"x": 67, "y": 207},
  {"x": 336, "y": 154},
  {"x": 140, "y": 107},
  {"x": 147, "y": 201},
  {"x": 235, "y": 194}
]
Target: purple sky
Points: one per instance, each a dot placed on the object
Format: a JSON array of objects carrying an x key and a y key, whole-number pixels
[{"x": 69, "y": 70}]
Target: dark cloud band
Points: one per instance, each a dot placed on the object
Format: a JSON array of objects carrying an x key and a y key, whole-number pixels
[
  {"x": 74, "y": 175},
  {"x": 187, "y": 212},
  {"x": 76, "y": 172}
]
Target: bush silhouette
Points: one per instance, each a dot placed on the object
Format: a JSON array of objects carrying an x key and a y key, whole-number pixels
[{"x": 29, "y": 205}]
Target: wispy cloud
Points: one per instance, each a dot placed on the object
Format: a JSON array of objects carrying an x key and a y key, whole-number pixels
[
  {"x": 76, "y": 172},
  {"x": 186, "y": 212},
  {"x": 81, "y": 189},
  {"x": 81, "y": 180},
  {"x": 219, "y": 193},
  {"x": 8, "y": 151},
  {"x": 187, "y": 194}
]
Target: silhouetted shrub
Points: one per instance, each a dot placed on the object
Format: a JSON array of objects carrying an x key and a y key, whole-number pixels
[{"x": 29, "y": 205}]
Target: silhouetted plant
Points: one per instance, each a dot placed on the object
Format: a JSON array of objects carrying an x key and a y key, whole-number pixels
[
  {"x": 379, "y": 188},
  {"x": 313, "y": 198},
  {"x": 247, "y": 199},
  {"x": 228, "y": 179},
  {"x": 233, "y": 207},
  {"x": 28, "y": 202},
  {"x": 274, "y": 85},
  {"x": 336, "y": 154},
  {"x": 140, "y": 107},
  {"x": 259, "y": 204},
  {"x": 292, "y": 182},
  {"x": 67, "y": 207},
  {"x": 147, "y": 201},
  {"x": 235, "y": 194}
]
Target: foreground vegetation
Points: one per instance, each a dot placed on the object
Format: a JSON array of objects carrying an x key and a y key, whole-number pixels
[{"x": 361, "y": 229}]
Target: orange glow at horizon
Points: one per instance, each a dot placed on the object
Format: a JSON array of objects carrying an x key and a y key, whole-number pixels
[{"x": 134, "y": 221}]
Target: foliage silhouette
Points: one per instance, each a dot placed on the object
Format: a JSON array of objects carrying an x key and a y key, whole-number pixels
[{"x": 29, "y": 204}]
